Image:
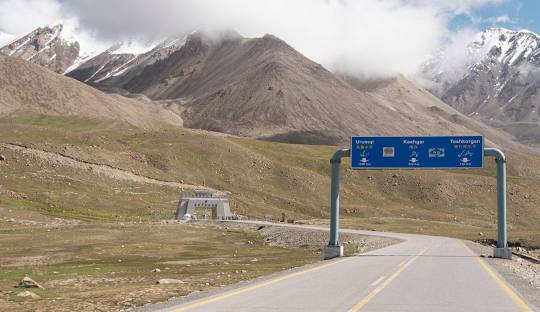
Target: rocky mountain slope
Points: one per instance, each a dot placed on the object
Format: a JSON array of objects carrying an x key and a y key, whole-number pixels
[
  {"x": 47, "y": 47},
  {"x": 114, "y": 65},
  {"x": 499, "y": 82},
  {"x": 28, "y": 87},
  {"x": 262, "y": 87}
]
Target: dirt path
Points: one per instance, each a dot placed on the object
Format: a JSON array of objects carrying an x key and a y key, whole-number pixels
[{"x": 100, "y": 169}]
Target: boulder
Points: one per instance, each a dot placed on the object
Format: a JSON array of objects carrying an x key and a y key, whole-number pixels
[{"x": 27, "y": 282}]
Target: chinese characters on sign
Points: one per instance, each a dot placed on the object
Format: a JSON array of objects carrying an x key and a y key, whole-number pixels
[{"x": 459, "y": 152}]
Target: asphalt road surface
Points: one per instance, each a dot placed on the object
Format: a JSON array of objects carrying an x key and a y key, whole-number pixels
[{"x": 423, "y": 273}]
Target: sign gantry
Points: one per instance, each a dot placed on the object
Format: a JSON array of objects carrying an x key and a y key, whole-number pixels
[{"x": 433, "y": 152}]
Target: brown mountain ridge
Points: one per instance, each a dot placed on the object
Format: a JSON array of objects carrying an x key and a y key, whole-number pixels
[
  {"x": 254, "y": 87},
  {"x": 262, "y": 87},
  {"x": 28, "y": 87}
]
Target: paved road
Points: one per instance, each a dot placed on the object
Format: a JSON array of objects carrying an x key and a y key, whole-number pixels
[{"x": 423, "y": 273}]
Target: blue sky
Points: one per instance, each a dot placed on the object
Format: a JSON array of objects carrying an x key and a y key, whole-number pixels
[{"x": 512, "y": 14}]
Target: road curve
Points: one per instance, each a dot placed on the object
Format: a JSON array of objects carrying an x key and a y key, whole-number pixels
[{"x": 423, "y": 273}]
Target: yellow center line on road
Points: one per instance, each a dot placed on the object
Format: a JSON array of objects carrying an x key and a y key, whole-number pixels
[
  {"x": 253, "y": 287},
  {"x": 380, "y": 279},
  {"x": 507, "y": 289},
  {"x": 377, "y": 290}
]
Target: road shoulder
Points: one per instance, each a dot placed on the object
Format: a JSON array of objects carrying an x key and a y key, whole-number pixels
[{"x": 521, "y": 274}]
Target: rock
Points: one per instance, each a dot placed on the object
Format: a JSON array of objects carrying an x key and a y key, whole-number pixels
[
  {"x": 2, "y": 157},
  {"x": 5, "y": 292},
  {"x": 481, "y": 234},
  {"x": 28, "y": 294},
  {"x": 27, "y": 282},
  {"x": 169, "y": 281},
  {"x": 156, "y": 270}
]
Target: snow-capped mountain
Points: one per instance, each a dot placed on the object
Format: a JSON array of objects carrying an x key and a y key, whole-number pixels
[
  {"x": 498, "y": 80},
  {"x": 259, "y": 87},
  {"x": 117, "y": 63},
  {"x": 67, "y": 51},
  {"x": 47, "y": 47}
]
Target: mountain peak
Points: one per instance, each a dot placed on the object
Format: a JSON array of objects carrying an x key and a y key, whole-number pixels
[
  {"x": 45, "y": 46},
  {"x": 507, "y": 33},
  {"x": 498, "y": 80}
]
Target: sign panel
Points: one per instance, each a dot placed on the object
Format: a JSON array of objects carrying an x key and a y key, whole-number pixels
[{"x": 434, "y": 152}]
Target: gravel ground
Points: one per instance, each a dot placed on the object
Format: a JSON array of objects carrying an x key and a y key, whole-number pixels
[
  {"x": 522, "y": 274},
  {"x": 290, "y": 237}
]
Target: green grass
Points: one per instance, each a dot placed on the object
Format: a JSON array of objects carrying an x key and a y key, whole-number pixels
[
  {"x": 262, "y": 178},
  {"x": 78, "y": 124},
  {"x": 101, "y": 263}
]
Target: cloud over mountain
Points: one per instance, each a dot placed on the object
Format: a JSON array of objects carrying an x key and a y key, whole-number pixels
[{"x": 371, "y": 37}]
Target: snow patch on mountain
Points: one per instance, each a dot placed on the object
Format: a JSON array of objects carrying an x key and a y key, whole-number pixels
[
  {"x": 45, "y": 46},
  {"x": 124, "y": 59},
  {"x": 494, "y": 46},
  {"x": 494, "y": 77},
  {"x": 133, "y": 47}
]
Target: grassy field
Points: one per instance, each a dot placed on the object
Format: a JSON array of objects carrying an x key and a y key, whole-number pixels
[
  {"x": 261, "y": 177},
  {"x": 107, "y": 267},
  {"x": 59, "y": 169}
]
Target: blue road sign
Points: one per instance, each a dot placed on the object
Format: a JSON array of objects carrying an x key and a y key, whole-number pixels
[{"x": 434, "y": 152}]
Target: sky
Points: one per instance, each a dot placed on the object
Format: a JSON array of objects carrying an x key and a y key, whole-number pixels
[
  {"x": 374, "y": 37},
  {"x": 515, "y": 14}
]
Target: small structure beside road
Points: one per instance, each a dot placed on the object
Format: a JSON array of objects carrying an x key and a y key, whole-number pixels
[{"x": 204, "y": 205}]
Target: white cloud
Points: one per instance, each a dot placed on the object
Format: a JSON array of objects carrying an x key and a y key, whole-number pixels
[
  {"x": 6, "y": 38},
  {"x": 502, "y": 19},
  {"x": 452, "y": 59},
  {"x": 494, "y": 20},
  {"x": 457, "y": 6},
  {"x": 21, "y": 16},
  {"x": 381, "y": 37}
]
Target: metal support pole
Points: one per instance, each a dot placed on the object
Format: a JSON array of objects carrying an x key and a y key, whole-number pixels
[
  {"x": 334, "y": 248},
  {"x": 502, "y": 250}
]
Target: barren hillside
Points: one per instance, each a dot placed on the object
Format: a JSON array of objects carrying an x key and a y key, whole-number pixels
[
  {"x": 28, "y": 87},
  {"x": 431, "y": 115},
  {"x": 261, "y": 178},
  {"x": 262, "y": 87}
]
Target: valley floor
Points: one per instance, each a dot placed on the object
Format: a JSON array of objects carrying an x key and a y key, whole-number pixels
[
  {"x": 106, "y": 267},
  {"x": 81, "y": 204}
]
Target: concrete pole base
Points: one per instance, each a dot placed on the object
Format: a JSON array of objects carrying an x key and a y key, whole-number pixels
[
  {"x": 331, "y": 252},
  {"x": 503, "y": 253}
]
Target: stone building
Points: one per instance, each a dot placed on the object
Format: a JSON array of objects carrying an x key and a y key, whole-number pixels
[{"x": 204, "y": 205}]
